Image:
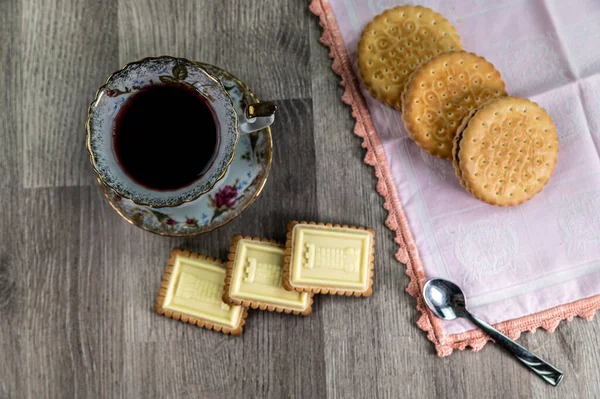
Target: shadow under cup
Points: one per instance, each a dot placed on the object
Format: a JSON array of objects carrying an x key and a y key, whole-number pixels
[{"x": 161, "y": 132}]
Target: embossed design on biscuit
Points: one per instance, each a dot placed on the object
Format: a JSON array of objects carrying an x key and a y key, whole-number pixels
[
  {"x": 441, "y": 93},
  {"x": 395, "y": 43},
  {"x": 250, "y": 270},
  {"x": 345, "y": 259},
  {"x": 329, "y": 259},
  {"x": 477, "y": 248},
  {"x": 309, "y": 256},
  {"x": 191, "y": 291},
  {"x": 192, "y": 287},
  {"x": 254, "y": 278},
  {"x": 507, "y": 151},
  {"x": 268, "y": 274}
]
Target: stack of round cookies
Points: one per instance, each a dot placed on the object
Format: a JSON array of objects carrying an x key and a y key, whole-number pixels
[{"x": 455, "y": 106}]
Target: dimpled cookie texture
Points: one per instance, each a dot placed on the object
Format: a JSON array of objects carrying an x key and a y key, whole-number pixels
[
  {"x": 507, "y": 151},
  {"x": 441, "y": 93},
  {"x": 397, "y": 42}
]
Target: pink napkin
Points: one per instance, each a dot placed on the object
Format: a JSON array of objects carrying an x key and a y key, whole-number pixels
[{"x": 524, "y": 267}]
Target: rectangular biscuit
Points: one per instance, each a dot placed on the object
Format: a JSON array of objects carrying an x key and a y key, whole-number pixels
[
  {"x": 192, "y": 290},
  {"x": 254, "y": 278},
  {"x": 329, "y": 259}
]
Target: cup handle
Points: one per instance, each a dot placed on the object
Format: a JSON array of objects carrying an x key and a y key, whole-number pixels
[{"x": 257, "y": 116}]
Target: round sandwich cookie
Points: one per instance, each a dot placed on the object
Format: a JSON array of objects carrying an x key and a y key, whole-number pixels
[
  {"x": 398, "y": 41},
  {"x": 441, "y": 92},
  {"x": 505, "y": 151}
]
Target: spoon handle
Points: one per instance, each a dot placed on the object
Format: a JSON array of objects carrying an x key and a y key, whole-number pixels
[{"x": 549, "y": 373}]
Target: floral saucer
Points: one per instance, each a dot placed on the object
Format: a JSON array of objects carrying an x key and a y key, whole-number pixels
[{"x": 234, "y": 193}]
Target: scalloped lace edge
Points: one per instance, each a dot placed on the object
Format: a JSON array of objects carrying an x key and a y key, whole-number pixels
[{"x": 397, "y": 222}]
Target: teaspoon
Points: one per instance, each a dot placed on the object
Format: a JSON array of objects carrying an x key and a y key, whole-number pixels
[{"x": 447, "y": 301}]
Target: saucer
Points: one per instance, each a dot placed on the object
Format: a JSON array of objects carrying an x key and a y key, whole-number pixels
[{"x": 245, "y": 178}]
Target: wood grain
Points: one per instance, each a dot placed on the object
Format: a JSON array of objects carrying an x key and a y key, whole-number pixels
[
  {"x": 10, "y": 81},
  {"x": 67, "y": 50},
  {"x": 77, "y": 283},
  {"x": 71, "y": 311},
  {"x": 12, "y": 293},
  {"x": 264, "y": 43}
]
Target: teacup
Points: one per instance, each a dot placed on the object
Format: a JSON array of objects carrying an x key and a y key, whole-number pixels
[{"x": 140, "y": 75}]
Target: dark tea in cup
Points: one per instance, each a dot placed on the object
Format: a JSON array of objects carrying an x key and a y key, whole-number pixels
[{"x": 165, "y": 136}]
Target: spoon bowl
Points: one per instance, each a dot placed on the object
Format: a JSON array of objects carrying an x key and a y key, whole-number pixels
[{"x": 445, "y": 299}]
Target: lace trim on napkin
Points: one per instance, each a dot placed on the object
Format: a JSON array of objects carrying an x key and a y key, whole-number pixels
[{"x": 397, "y": 222}]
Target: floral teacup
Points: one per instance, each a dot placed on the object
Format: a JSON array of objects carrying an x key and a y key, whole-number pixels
[{"x": 167, "y": 70}]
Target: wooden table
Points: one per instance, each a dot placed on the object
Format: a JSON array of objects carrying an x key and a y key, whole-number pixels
[{"x": 77, "y": 283}]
